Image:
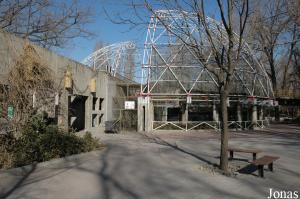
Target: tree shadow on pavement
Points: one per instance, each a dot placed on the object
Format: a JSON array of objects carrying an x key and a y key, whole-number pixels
[
  {"x": 108, "y": 182},
  {"x": 115, "y": 182},
  {"x": 160, "y": 141},
  {"x": 26, "y": 172},
  {"x": 107, "y": 179},
  {"x": 25, "y": 176}
]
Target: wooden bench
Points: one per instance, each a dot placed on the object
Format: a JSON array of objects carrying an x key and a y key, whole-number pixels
[
  {"x": 253, "y": 151},
  {"x": 265, "y": 160}
]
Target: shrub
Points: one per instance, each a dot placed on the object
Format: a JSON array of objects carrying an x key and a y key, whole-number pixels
[
  {"x": 7, "y": 143},
  {"x": 40, "y": 142},
  {"x": 6, "y": 159},
  {"x": 91, "y": 143}
]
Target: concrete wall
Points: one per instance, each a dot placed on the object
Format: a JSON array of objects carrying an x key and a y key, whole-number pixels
[{"x": 106, "y": 86}]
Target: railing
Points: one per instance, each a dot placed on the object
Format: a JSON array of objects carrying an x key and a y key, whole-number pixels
[
  {"x": 197, "y": 125},
  {"x": 184, "y": 126},
  {"x": 248, "y": 124}
]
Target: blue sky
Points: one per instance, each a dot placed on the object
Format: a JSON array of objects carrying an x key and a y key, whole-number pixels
[
  {"x": 108, "y": 32},
  {"x": 103, "y": 30}
]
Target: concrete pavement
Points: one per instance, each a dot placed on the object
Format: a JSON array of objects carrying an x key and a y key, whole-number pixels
[{"x": 162, "y": 165}]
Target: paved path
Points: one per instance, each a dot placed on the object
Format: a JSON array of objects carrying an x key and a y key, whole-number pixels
[{"x": 160, "y": 165}]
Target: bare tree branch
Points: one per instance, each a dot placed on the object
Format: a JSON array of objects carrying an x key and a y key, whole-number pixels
[{"x": 46, "y": 22}]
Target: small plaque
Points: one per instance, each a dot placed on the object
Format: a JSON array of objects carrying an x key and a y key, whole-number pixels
[
  {"x": 130, "y": 105},
  {"x": 188, "y": 99},
  {"x": 10, "y": 111}
]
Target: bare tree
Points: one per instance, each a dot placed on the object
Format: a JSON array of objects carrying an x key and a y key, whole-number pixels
[
  {"x": 31, "y": 86},
  {"x": 226, "y": 45},
  {"x": 275, "y": 27},
  {"x": 45, "y": 22},
  {"x": 227, "y": 57},
  {"x": 291, "y": 66}
]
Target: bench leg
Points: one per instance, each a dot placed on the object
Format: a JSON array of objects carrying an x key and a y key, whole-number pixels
[
  {"x": 261, "y": 170},
  {"x": 231, "y": 154},
  {"x": 254, "y": 156},
  {"x": 270, "y": 166}
]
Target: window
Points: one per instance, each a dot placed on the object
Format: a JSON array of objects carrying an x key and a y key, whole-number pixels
[
  {"x": 94, "y": 103},
  {"x": 100, "y": 118},
  {"x": 100, "y": 103},
  {"x": 94, "y": 120}
]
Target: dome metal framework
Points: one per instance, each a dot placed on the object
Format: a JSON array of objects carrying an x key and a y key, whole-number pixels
[
  {"x": 172, "y": 67},
  {"x": 178, "y": 88},
  {"x": 111, "y": 58}
]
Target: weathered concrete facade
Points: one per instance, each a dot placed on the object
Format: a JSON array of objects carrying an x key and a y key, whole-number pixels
[{"x": 79, "y": 107}]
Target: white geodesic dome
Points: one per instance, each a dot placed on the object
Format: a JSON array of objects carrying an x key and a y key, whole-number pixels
[
  {"x": 170, "y": 67},
  {"x": 111, "y": 58}
]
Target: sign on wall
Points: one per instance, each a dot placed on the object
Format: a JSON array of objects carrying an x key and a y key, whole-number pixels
[
  {"x": 10, "y": 111},
  {"x": 129, "y": 105}
]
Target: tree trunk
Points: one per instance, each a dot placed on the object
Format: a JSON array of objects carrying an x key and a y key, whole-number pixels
[
  {"x": 277, "y": 115},
  {"x": 274, "y": 84},
  {"x": 224, "y": 133}
]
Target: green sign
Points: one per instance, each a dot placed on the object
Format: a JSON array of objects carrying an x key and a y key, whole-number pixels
[{"x": 10, "y": 111}]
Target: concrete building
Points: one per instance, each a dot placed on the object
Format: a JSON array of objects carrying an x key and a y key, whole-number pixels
[{"x": 84, "y": 99}]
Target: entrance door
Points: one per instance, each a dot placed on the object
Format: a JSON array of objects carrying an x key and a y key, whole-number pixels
[{"x": 77, "y": 112}]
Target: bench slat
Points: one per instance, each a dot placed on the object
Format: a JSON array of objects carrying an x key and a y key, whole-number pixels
[
  {"x": 265, "y": 160},
  {"x": 245, "y": 150}
]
